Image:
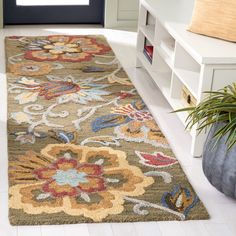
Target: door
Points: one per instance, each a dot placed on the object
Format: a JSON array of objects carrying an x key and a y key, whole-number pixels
[{"x": 53, "y": 11}]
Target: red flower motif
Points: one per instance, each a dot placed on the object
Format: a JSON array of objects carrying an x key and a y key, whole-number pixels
[
  {"x": 70, "y": 178},
  {"x": 141, "y": 115},
  {"x": 132, "y": 112},
  {"x": 124, "y": 95},
  {"x": 53, "y": 89},
  {"x": 157, "y": 159}
]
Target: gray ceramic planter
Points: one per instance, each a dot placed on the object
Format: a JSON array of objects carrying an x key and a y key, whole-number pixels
[{"x": 219, "y": 164}]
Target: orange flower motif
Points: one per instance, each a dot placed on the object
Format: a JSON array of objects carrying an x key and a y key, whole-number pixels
[
  {"x": 64, "y": 48},
  {"x": 77, "y": 180},
  {"x": 133, "y": 123},
  {"x": 142, "y": 131}
]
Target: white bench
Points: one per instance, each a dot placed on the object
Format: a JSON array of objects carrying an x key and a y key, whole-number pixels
[{"x": 181, "y": 58}]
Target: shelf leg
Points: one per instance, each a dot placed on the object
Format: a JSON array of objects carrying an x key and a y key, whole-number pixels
[
  {"x": 138, "y": 63},
  {"x": 198, "y": 142},
  {"x": 205, "y": 84}
]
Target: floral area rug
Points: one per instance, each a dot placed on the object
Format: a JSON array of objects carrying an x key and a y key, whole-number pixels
[{"x": 83, "y": 147}]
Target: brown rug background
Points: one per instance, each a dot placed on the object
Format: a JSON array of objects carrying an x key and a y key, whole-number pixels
[{"x": 80, "y": 74}]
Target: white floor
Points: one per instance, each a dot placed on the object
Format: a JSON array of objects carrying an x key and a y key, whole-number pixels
[{"x": 221, "y": 208}]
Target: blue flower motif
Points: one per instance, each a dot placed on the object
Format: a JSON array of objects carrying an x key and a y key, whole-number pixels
[
  {"x": 70, "y": 177},
  {"x": 122, "y": 115}
]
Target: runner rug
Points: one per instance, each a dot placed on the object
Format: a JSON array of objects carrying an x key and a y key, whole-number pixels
[{"x": 83, "y": 147}]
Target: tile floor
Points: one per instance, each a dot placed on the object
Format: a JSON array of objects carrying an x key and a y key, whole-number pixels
[{"x": 221, "y": 208}]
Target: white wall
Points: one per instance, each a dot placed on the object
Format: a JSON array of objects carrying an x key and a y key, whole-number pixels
[
  {"x": 121, "y": 13},
  {"x": 128, "y": 10}
]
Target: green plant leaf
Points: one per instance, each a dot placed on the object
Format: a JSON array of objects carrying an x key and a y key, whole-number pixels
[{"x": 218, "y": 106}]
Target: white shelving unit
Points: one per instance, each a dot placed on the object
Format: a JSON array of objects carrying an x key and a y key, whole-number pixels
[{"x": 182, "y": 59}]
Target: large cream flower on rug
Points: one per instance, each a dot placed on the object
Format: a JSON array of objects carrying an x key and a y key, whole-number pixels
[{"x": 77, "y": 180}]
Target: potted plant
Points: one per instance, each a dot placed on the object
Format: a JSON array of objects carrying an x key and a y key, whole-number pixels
[{"x": 218, "y": 112}]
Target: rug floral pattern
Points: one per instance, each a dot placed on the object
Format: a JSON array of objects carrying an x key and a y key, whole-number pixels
[{"x": 83, "y": 146}]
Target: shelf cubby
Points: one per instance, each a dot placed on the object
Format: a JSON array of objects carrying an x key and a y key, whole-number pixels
[
  {"x": 168, "y": 45},
  {"x": 168, "y": 60},
  {"x": 150, "y": 19},
  {"x": 148, "y": 50},
  {"x": 163, "y": 73},
  {"x": 176, "y": 99},
  {"x": 147, "y": 24},
  {"x": 187, "y": 69},
  {"x": 176, "y": 92},
  {"x": 149, "y": 32},
  {"x": 165, "y": 41}
]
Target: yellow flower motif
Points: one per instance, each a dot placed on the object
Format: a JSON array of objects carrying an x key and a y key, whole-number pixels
[
  {"x": 76, "y": 180},
  {"x": 30, "y": 68}
]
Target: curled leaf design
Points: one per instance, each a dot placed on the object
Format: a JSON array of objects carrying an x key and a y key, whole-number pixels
[
  {"x": 109, "y": 121},
  {"x": 103, "y": 140},
  {"x": 180, "y": 199}
]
